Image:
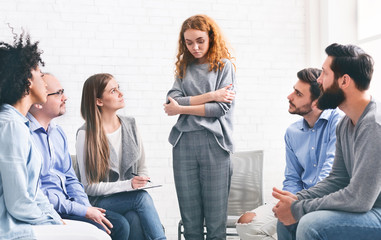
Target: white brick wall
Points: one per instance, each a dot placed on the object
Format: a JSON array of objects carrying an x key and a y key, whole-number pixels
[{"x": 136, "y": 41}]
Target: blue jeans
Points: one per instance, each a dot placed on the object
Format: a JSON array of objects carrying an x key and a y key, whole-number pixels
[
  {"x": 286, "y": 232},
  {"x": 324, "y": 225},
  {"x": 139, "y": 212}
]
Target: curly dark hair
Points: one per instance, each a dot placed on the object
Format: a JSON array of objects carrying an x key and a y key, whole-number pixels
[{"x": 17, "y": 60}]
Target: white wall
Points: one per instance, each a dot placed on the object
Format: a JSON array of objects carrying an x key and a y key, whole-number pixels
[{"x": 136, "y": 41}]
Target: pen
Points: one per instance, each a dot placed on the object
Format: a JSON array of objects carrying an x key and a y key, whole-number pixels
[{"x": 138, "y": 176}]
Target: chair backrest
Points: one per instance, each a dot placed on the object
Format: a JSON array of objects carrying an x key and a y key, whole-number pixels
[{"x": 246, "y": 189}]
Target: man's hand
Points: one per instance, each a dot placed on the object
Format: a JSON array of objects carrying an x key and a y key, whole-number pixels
[
  {"x": 98, "y": 216},
  {"x": 282, "y": 209},
  {"x": 172, "y": 108},
  {"x": 224, "y": 94},
  {"x": 286, "y": 193}
]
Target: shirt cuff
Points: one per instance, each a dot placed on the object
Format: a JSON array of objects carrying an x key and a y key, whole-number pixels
[{"x": 79, "y": 209}]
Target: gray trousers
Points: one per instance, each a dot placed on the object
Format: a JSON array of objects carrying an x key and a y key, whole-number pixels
[{"x": 202, "y": 177}]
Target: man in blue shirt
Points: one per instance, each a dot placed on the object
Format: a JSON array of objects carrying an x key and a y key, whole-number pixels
[
  {"x": 310, "y": 148},
  {"x": 347, "y": 203},
  {"x": 58, "y": 179}
]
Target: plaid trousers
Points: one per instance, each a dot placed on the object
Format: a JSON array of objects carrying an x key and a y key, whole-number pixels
[{"x": 202, "y": 174}]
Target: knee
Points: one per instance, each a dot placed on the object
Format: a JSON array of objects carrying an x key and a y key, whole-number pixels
[
  {"x": 133, "y": 218},
  {"x": 121, "y": 227},
  {"x": 144, "y": 198},
  {"x": 309, "y": 225},
  {"x": 246, "y": 217}
]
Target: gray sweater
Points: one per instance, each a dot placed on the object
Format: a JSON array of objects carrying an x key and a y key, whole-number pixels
[
  {"x": 354, "y": 184},
  {"x": 218, "y": 115}
]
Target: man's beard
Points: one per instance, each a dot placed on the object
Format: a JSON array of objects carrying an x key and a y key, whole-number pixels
[
  {"x": 331, "y": 98},
  {"x": 303, "y": 110}
]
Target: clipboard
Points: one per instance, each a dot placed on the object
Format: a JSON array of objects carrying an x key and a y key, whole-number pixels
[{"x": 146, "y": 187}]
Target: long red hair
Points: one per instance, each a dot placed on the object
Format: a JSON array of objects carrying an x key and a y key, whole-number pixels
[{"x": 217, "y": 47}]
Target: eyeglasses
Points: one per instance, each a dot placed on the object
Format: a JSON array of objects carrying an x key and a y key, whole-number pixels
[{"x": 59, "y": 93}]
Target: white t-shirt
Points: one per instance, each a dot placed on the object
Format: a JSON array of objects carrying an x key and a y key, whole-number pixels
[{"x": 115, "y": 139}]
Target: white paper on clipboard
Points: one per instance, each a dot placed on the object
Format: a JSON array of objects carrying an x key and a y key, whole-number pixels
[{"x": 148, "y": 186}]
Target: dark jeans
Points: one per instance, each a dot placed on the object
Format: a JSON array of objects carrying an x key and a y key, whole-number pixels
[{"x": 122, "y": 225}]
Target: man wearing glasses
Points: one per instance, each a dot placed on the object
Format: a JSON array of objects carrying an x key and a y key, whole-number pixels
[{"x": 58, "y": 180}]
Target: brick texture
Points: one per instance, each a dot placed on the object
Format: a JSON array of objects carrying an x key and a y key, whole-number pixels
[{"x": 136, "y": 41}]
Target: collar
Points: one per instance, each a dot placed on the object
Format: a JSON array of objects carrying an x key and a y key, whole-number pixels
[
  {"x": 303, "y": 125},
  {"x": 15, "y": 112},
  {"x": 35, "y": 125}
]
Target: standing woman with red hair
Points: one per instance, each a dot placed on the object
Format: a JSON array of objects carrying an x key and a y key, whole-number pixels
[{"x": 203, "y": 96}]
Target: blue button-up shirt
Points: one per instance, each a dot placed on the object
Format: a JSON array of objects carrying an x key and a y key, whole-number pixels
[
  {"x": 58, "y": 179},
  {"x": 310, "y": 151},
  {"x": 21, "y": 201}
]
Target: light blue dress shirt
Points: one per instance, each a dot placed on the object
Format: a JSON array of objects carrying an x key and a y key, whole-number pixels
[
  {"x": 58, "y": 179},
  {"x": 21, "y": 201},
  {"x": 310, "y": 151}
]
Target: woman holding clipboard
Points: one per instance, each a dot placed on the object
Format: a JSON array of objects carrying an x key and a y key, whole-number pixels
[{"x": 111, "y": 159}]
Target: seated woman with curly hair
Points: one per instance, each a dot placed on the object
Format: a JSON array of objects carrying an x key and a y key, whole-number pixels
[{"x": 24, "y": 209}]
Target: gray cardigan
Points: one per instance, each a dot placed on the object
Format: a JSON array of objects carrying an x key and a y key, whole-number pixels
[{"x": 133, "y": 161}]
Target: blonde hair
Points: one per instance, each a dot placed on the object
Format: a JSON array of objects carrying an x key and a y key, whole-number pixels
[
  {"x": 217, "y": 46},
  {"x": 97, "y": 151}
]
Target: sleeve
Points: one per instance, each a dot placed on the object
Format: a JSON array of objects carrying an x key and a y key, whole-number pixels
[
  {"x": 14, "y": 178},
  {"x": 331, "y": 148},
  {"x": 219, "y": 109},
  {"x": 74, "y": 188},
  {"x": 177, "y": 93},
  {"x": 293, "y": 182},
  {"x": 66, "y": 206},
  {"x": 70, "y": 199},
  {"x": 341, "y": 192},
  {"x": 78, "y": 202},
  {"x": 78, "y": 198},
  {"x": 101, "y": 188},
  {"x": 46, "y": 206}
]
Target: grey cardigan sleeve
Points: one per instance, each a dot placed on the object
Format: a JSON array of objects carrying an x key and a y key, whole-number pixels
[
  {"x": 177, "y": 93},
  {"x": 227, "y": 76}
]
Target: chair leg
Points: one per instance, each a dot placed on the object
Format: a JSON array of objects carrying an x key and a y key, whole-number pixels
[{"x": 179, "y": 230}]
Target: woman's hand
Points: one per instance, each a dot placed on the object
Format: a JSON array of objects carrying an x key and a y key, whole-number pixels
[
  {"x": 139, "y": 181},
  {"x": 224, "y": 94},
  {"x": 172, "y": 108}
]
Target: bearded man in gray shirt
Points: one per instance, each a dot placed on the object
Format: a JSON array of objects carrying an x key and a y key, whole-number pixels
[{"x": 346, "y": 204}]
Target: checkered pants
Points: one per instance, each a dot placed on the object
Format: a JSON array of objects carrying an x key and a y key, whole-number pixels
[{"x": 202, "y": 177}]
